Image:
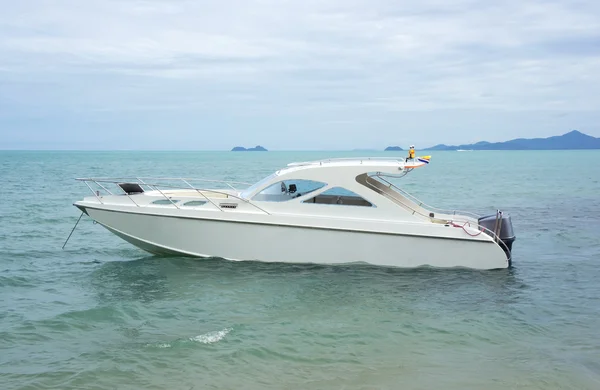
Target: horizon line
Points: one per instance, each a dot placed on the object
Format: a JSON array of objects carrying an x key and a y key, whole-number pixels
[
  {"x": 191, "y": 150},
  {"x": 276, "y": 150}
]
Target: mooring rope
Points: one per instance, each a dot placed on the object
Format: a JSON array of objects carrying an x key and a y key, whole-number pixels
[{"x": 76, "y": 223}]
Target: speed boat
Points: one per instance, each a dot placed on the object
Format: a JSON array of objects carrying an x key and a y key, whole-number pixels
[{"x": 328, "y": 212}]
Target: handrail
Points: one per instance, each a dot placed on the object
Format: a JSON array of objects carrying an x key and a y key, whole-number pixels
[
  {"x": 205, "y": 197},
  {"x": 140, "y": 179},
  {"x": 162, "y": 193},
  {"x": 154, "y": 187},
  {"x": 424, "y": 205},
  {"x": 94, "y": 192},
  {"x": 489, "y": 232}
]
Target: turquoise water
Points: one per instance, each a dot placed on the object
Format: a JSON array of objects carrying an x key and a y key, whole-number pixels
[{"x": 102, "y": 314}]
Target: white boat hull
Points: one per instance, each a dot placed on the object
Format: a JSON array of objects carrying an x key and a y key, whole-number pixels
[{"x": 289, "y": 243}]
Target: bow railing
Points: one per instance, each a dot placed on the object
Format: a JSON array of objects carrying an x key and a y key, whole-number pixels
[{"x": 163, "y": 185}]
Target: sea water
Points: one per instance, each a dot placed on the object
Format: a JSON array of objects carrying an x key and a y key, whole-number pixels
[{"x": 102, "y": 314}]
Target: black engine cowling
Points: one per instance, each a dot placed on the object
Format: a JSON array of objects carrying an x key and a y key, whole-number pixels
[{"x": 501, "y": 225}]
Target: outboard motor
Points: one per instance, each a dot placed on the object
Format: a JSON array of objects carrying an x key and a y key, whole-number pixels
[{"x": 501, "y": 225}]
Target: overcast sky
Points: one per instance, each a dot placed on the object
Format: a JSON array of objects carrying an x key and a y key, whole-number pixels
[{"x": 310, "y": 74}]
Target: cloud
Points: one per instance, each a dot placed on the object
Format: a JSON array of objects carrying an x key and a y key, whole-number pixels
[{"x": 277, "y": 64}]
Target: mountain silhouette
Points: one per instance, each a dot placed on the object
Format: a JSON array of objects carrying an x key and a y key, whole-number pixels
[{"x": 572, "y": 140}]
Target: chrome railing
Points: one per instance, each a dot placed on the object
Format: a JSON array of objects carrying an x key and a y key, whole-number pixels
[
  {"x": 426, "y": 206},
  {"x": 161, "y": 185},
  {"x": 495, "y": 235},
  {"x": 139, "y": 180}
]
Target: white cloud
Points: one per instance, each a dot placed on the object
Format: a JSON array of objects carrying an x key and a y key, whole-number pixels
[{"x": 321, "y": 61}]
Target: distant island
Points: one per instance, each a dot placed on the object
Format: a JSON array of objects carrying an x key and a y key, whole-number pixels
[
  {"x": 393, "y": 149},
  {"x": 257, "y": 148},
  {"x": 572, "y": 140}
]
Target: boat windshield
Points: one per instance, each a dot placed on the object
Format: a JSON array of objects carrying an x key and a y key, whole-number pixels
[{"x": 248, "y": 191}]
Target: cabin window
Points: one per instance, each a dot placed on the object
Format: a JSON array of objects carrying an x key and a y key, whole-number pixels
[
  {"x": 288, "y": 189},
  {"x": 339, "y": 196},
  {"x": 165, "y": 201},
  {"x": 248, "y": 191},
  {"x": 195, "y": 203}
]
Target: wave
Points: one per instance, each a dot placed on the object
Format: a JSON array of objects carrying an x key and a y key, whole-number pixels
[
  {"x": 211, "y": 337},
  {"x": 206, "y": 338}
]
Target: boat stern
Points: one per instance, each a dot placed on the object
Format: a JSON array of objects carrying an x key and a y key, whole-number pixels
[{"x": 501, "y": 225}]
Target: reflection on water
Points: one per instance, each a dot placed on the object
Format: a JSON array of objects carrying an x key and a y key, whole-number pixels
[
  {"x": 151, "y": 278},
  {"x": 136, "y": 280}
]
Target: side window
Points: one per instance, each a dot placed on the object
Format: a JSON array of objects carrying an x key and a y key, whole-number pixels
[
  {"x": 339, "y": 196},
  {"x": 288, "y": 189},
  {"x": 195, "y": 203},
  {"x": 167, "y": 202}
]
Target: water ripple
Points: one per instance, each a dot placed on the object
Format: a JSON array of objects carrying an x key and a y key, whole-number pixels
[{"x": 102, "y": 313}]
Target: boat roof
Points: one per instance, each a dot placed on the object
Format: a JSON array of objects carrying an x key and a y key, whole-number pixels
[
  {"x": 337, "y": 171},
  {"x": 368, "y": 164},
  {"x": 352, "y": 161}
]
